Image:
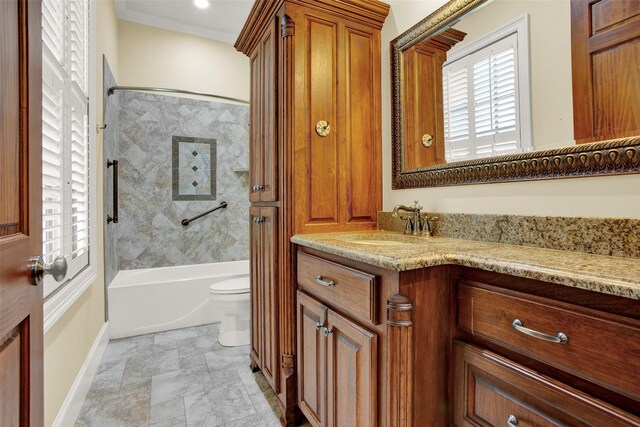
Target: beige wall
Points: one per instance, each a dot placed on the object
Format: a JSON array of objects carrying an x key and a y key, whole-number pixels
[
  {"x": 550, "y": 56},
  {"x": 615, "y": 196},
  {"x": 151, "y": 56},
  {"x": 67, "y": 343}
]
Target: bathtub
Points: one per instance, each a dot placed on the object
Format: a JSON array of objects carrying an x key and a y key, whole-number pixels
[{"x": 159, "y": 299}]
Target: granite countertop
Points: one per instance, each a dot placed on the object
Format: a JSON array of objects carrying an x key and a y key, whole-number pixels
[{"x": 606, "y": 274}]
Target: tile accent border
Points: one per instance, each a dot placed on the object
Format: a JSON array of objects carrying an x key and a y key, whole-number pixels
[
  {"x": 599, "y": 236},
  {"x": 176, "y": 142}
]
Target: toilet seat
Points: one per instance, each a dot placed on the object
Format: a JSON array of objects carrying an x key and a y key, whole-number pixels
[{"x": 239, "y": 285}]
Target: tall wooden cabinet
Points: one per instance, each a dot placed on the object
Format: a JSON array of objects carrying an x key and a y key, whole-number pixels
[{"x": 315, "y": 152}]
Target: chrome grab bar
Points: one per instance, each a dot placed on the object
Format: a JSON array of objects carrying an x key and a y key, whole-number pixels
[
  {"x": 559, "y": 338},
  {"x": 114, "y": 218},
  {"x": 186, "y": 221},
  {"x": 320, "y": 281}
]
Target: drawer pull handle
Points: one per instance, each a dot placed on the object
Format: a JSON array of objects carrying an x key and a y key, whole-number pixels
[
  {"x": 320, "y": 281},
  {"x": 559, "y": 338},
  {"x": 512, "y": 421},
  {"x": 319, "y": 326},
  {"x": 327, "y": 331}
]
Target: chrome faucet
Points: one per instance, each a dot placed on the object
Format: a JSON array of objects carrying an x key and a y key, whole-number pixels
[{"x": 417, "y": 222}]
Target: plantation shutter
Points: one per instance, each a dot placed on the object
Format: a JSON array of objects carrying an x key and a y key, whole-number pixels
[
  {"x": 481, "y": 102},
  {"x": 65, "y": 137}
]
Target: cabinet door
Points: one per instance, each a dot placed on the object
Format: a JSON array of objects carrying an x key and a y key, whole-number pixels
[
  {"x": 351, "y": 373},
  {"x": 270, "y": 359},
  {"x": 255, "y": 131},
  {"x": 311, "y": 318},
  {"x": 257, "y": 303},
  {"x": 263, "y": 181},
  {"x": 269, "y": 78},
  {"x": 490, "y": 390}
]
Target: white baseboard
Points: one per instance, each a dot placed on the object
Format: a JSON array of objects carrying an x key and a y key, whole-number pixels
[{"x": 75, "y": 398}]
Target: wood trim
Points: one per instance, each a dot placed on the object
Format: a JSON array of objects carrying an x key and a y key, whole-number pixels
[
  {"x": 371, "y": 12},
  {"x": 613, "y": 157},
  {"x": 399, "y": 361}
]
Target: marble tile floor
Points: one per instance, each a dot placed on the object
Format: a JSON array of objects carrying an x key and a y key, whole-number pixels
[{"x": 177, "y": 378}]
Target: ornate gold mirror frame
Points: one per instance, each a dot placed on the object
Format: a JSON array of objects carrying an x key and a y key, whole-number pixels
[{"x": 618, "y": 156}]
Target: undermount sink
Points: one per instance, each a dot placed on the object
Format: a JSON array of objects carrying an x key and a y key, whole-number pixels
[{"x": 381, "y": 239}]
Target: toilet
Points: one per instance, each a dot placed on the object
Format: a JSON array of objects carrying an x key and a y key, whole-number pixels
[{"x": 231, "y": 299}]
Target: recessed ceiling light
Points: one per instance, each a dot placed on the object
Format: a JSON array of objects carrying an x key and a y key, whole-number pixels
[{"x": 201, "y": 4}]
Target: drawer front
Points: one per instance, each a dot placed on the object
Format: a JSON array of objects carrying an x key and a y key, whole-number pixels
[
  {"x": 491, "y": 390},
  {"x": 588, "y": 344},
  {"x": 338, "y": 286}
]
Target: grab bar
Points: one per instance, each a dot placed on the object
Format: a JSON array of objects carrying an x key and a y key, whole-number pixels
[
  {"x": 114, "y": 219},
  {"x": 186, "y": 221}
]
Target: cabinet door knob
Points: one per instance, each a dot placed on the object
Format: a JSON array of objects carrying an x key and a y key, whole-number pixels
[
  {"x": 328, "y": 283},
  {"x": 258, "y": 187},
  {"x": 323, "y": 128},
  {"x": 512, "y": 421},
  {"x": 258, "y": 220},
  {"x": 327, "y": 331},
  {"x": 319, "y": 326}
]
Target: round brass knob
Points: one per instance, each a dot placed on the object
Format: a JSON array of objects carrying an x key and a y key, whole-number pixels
[
  {"x": 323, "y": 128},
  {"x": 427, "y": 140}
]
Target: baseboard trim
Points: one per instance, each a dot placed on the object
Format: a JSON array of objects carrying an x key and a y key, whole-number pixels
[{"x": 75, "y": 398}]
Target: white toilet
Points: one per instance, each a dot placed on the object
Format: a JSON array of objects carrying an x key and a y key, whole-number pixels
[{"x": 231, "y": 298}]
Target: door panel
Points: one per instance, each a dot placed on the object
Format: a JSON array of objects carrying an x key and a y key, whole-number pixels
[
  {"x": 322, "y": 152},
  {"x": 257, "y": 292},
  {"x": 255, "y": 133},
  {"x": 351, "y": 374},
  {"x": 311, "y": 359},
  {"x": 269, "y": 110},
  {"x": 21, "y": 397},
  {"x": 269, "y": 247},
  {"x": 360, "y": 148}
]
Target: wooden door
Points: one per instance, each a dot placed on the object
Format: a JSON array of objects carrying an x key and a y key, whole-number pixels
[
  {"x": 268, "y": 223},
  {"x": 255, "y": 132},
  {"x": 605, "y": 52},
  {"x": 257, "y": 302},
  {"x": 21, "y": 384},
  {"x": 311, "y": 319},
  {"x": 263, "y": 153},
  {"x": 269, "y": 77},
  {"x": 351, "y": 373}
]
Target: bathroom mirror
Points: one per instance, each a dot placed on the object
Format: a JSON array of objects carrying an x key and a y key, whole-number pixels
[{"x": 482, "y": 91}]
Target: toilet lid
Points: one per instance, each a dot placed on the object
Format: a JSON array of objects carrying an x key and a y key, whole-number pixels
[{"x": 239, "y": 285}]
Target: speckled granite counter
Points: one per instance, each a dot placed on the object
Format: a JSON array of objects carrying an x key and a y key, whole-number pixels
[{"x": 607, "y": 274}]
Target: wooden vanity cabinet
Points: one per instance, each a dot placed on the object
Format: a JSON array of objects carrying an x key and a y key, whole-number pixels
[
  {"x": 311, "y": 61},
  {"x": 264, "y": 298},
  {"x": 338, "y": 367},
  {"x": 572, "y": 358}
]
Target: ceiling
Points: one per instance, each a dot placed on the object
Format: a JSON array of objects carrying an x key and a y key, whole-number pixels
[{"x": 222, "y": 21}]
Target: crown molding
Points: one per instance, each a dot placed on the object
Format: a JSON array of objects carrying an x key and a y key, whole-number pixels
[{"x": 125, "y": 14}]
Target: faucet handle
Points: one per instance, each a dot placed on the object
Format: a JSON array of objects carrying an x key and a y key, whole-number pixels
[{"x": 416, "y": 205}]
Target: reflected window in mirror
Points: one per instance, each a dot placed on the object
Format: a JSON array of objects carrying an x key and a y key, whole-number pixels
[{"x": 486, "y": 95}]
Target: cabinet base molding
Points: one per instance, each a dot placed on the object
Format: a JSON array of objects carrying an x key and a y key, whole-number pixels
[{"x": 400, "y": 361}]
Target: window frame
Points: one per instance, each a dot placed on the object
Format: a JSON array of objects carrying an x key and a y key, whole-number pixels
[
  {"x": 520, "y": 28},
  {"x": 61, "y": 299}
]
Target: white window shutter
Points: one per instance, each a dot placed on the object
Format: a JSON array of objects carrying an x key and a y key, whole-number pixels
[
  {"x": 65, "y": 146},
  {"x": 492, "y": 101}
]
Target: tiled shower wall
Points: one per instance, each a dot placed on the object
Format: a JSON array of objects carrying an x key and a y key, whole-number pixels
[
  {"x": 149, "y": 230},
  {"x": 110, "y": 151}
]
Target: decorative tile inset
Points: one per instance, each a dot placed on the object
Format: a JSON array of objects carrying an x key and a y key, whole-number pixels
[{"x": 194, "y": 168}]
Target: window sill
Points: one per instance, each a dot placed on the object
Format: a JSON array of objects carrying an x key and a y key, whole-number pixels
[{"x": 61, "y": 301}]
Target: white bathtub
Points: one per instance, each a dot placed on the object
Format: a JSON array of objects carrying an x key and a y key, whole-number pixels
[{"x": 159, "y": 299}]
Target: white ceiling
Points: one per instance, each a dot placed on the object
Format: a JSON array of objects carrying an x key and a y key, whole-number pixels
[{"x": 223, "y": 19}]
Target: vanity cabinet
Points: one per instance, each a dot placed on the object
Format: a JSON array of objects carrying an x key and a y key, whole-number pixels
[
  {"x": 533, "y": 353},
  {"x": 264, "y": 298},
  {"x": 315, "y": 150},
  {"x": 337, "y": 384}
]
